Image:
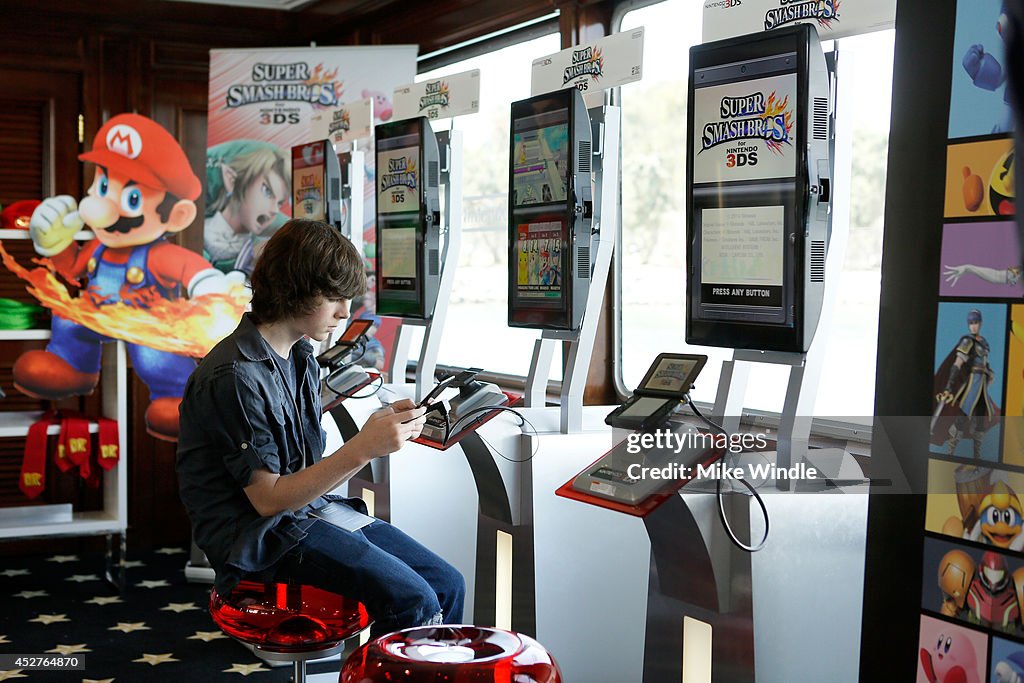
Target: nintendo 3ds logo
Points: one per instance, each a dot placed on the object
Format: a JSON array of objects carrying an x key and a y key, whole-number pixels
[{"x": 724, "y": 4}]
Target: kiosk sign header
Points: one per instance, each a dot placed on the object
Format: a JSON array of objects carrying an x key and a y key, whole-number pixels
[
  {"x": 440, "y": 98},
  {"x": 351, "y": 121},
  {"x": 606, "y": 63},
  {"x": 832, "y": 18}
]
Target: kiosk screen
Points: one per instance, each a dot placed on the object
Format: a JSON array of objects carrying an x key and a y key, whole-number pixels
[
  {"x": 757, "y": 173},
  {"x": 539, "y": 268},
  {"x": 540, "y": 158},
  {"x": 742, "y": 256},
  {"x": 549, "y": 133},
  {"x": 745, "y": 130},
  {"x": 399, "y": 218}
]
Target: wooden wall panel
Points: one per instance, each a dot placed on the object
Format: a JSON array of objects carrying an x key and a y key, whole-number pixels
[{"x": 24, "y": 171}]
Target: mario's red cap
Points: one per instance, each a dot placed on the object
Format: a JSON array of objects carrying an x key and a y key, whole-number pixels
[
  {"x": 140, "y": 148},
  {"x": 16, "y": 216}
]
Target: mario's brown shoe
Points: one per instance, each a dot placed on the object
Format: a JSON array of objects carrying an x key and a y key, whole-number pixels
[
  {"x": 44, "y": 375},
  {"x": 162, "y": 418}
]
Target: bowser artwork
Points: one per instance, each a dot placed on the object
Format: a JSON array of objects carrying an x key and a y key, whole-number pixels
[{"x": 143, "y": 190}]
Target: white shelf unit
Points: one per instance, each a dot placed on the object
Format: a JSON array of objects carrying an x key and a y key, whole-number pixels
[
  {"x": 24, "y": 335},
  {"x": 113, "y": 518},
  {"x": 34, "y": 334},
  {"x": 14, "y": 234}
]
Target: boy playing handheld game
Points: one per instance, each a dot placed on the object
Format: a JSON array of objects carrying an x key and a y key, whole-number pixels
[{"x": 252, "y": 477}]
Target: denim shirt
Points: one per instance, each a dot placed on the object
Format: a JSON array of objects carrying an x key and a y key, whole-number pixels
[{"x": 237, "y": 416}]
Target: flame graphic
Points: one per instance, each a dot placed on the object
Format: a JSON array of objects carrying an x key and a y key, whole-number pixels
[
  {"x": 190, "y": 327},
  {"x": 324, "y": 77},
  {"x": 599, "y": 59},
  {"x": 772, "y": 108},
  {"x": 827, "y": 23}
]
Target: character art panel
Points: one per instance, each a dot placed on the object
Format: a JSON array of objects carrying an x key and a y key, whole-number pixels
[
  {"x": 979, "y": 179},
  {"x": 975, "y": 503},
  {"x": 979, "y": 102},
  {"x": 1007, "y": 662},
  {"x": 981, "y": 260},
  {"x": 947, "y": 652},
  {"x": 975, "y": 587},
  {"x": 969, "y": 367}
]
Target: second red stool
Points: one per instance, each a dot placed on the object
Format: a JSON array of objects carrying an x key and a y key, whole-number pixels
[{"x": 451, "y": 654}]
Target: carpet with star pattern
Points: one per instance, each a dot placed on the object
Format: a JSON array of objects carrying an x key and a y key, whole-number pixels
[{"x": 156, "y": 628}]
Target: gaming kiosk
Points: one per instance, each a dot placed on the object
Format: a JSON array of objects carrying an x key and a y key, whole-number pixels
[
  {"x": 712, "y": 611},
  {"x": 559, "y": 243},
  {"x": 563, "y": 180},
  {"x": 413, "y": 271},
  {"x": 759, "y": 179}
]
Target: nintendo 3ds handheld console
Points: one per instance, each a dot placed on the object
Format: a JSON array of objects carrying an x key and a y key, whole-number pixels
[
  {"x": 334, "y": 356},
  {"x": 666, "y": 383}
]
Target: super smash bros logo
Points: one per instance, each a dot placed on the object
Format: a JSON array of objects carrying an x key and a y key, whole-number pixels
[
  {"x": 287, "y": 83},
  {"x": 400, "y": 171},
  {"x": 750, "y": 117},
  {"x": 670, "y": 375},
  {"x": 587, "y": 61},
  {"x": 437, "y": 95},
  {"x": 340, "y": 122},
  {"x": 823, "y": 11}
]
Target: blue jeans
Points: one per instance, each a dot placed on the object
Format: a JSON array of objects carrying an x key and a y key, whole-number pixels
[
  {"x": 163, "y": 372},
  {"x": 401, "y": 583}
]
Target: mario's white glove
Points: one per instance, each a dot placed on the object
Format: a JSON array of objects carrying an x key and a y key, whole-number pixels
[
  {"x": 54, "y": 224},
  {"x": 212, "y": 281}
]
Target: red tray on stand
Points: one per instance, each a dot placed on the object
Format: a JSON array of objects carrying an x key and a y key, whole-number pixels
[
  {"x": 341, "y": 397},
  {"x": 514, "y": 400},
  {"x": 649, "y": 504}
]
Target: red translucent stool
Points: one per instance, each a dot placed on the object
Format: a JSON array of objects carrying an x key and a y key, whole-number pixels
[
  {"x": 286, "y": 622},
  {"x": 451, "y": 654}
]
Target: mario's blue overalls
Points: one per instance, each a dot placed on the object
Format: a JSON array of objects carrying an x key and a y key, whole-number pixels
[{"x": 163, "y": 372}]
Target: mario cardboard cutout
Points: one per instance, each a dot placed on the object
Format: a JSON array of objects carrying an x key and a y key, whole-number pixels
[{"x": 143, "y": 189}]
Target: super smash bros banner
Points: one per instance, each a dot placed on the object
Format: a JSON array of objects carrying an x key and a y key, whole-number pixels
[{"x": 261, "y": 103}]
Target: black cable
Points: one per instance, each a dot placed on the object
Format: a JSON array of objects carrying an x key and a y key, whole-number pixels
[
  {"x": 501, "y": 455},
  {"x": 720, "y": 428},
  {"x": 721, "y": 496},
  {"x": 362, "y": 346},
  {"x": 380, "y": 383},
  {"x": 523, "y": 421},
  {"x": 484, "y": 409}
]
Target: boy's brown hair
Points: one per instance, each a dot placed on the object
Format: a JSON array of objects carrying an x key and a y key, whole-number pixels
[{"x": 305, "y": 261}]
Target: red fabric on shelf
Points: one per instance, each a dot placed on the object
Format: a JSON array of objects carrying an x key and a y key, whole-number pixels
[{"x": 33, "y": 465}]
